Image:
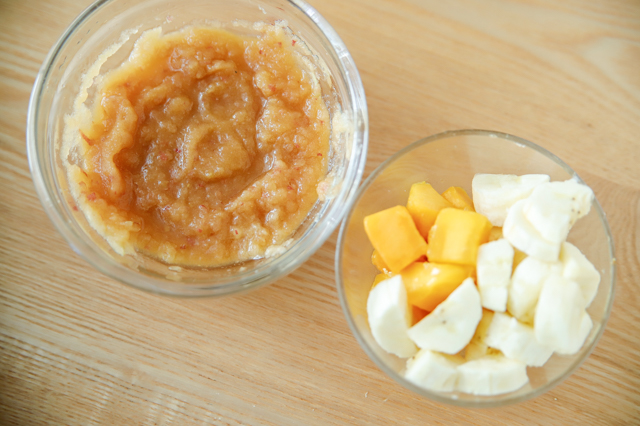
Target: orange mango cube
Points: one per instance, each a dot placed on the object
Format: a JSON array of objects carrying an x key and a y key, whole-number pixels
[
  {"x": 429, "y": 284},
  {"x": 457, "y": 196},
  {"x": 518, "y": 256},
  {"x": 424, "y": 204},
  {"x": 379, "y": 278},
  {"x": 417, "y": 314},
  {"x": 395, "y": 237},
  {"x": 378, "y": 262},
  {"x": 495, "y": 233},
  {"x": 456, "y": 236}
]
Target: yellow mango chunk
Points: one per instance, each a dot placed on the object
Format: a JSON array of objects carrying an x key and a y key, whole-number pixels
[
  {"x": 395, "y": 237},
  {"x": 456, "y": 236},
  {"x": 429, "y": 284},
  {"x": 473, "y": 274},
  {"x": 518, "y": 256},
  {"x": 424, "y": 204},
  {"x": 457, "y": 196},
  {"x": 495, "y": 233},
  {"x": 378, "y": 262},
  {"x": 417, "y": 314},
  {"x": 379, "y": 278}
]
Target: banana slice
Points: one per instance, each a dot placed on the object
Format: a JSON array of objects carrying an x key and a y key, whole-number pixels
[
  {"x": 390, "y": 317},
  {"x": 526, "y": 283},
  {"x": 477, "y": 347},
  {"x": 494, "y": 194},
  {"x": 452, "y": 323},
  {"x": 578, "y": 339},
  {"x": 491, "y": 375},
  {"x": 559, "y": 314},
  {"x": 576, "y": 267},
  {"x": 522, "y": 235},
  {"x": 516, "y": 340},
  {"x": 553, "y": 208},
  {"x": 493, "y": 269},
  {"x": 433, "y": 370}
]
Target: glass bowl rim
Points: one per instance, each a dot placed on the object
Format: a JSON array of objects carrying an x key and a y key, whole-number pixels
[
  {"x": 48, "y": 193},
  {"x": 500, "y": 400}
]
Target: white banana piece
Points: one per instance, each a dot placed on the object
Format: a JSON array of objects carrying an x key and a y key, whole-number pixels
[
  {"x": 516, "y": 340},
  {"x": 559, "y": 313},
  {"x": 491, "y": 375},
  {"x": 578, "y": 339},
  {"x": 526, "y": 283},
  {"x": 390, "y": 317},
  {"x": 553, "y": 208},
  {"x": 576, "y": 267},
  {"x": 580, "y": 195},
  {"x": 494, "y": 194},
  {"x": 493, "y": 268},
  {"x": 451, "y": 325},
  {"x": 522, "y": 235},
  {"x": 434, "y": 371},
  {"x": 477, "y": 347}
]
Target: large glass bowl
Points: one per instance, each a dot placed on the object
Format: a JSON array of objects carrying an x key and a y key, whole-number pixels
[
  {"x": 106, "y": 23},
  {"x": 452, "y": 159}
]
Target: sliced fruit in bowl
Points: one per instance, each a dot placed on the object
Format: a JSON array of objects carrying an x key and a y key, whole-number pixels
[{"x": 486, "y": 288}]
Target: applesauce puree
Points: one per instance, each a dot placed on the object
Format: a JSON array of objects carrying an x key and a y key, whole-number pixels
[{"x": 204, "y": 147}]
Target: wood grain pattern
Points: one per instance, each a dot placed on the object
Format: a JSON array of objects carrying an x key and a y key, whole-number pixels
[{"x": 77, "y": 348}]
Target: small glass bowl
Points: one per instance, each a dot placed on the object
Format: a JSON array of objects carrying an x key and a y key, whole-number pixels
[
  {"x": 106, "y": 23},
  {"x": 452, "y": 159}
]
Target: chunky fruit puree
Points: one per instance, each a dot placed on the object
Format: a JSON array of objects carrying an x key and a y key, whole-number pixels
[{"x": 204, "y": 148}]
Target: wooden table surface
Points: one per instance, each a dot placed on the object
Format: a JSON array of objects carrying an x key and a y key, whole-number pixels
[{"x": 77, "y": 348}]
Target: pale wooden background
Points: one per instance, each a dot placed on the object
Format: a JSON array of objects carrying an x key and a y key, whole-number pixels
[{"x": 77, "y": 348}]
